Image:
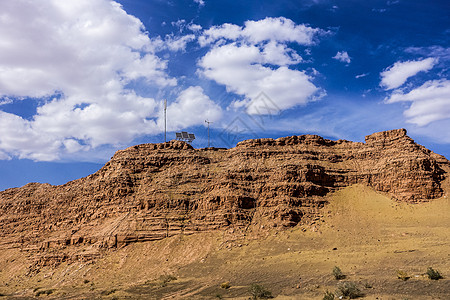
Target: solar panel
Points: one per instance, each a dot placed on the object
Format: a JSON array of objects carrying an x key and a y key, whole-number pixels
[{"x": 185, "y": 136}]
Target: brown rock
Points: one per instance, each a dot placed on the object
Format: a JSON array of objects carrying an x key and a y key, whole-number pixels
[{"x": 152, "y": 191}]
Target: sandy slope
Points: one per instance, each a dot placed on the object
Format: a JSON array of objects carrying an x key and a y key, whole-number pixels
[{"x": 365, "y": 233}]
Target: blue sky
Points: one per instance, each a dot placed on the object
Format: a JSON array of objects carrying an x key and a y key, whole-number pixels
[{"x": 82, "y": 79}]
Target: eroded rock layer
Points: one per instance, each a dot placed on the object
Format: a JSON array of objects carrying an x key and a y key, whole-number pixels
[{"x": 152, "y": 191}]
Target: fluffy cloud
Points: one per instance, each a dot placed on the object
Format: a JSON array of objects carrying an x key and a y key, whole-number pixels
[
  {"x": 17, "y": 137},
  {"x": 397, "y": 74},
  {"x": 342, "y": 57},
  {"x": 194, "y": 27},
  {"x": 192, "y": 107},
  {"x": 429, "y": 102},
  {"x": 53, "y": 46},
  {"x": 268, "y": 29},
  {"x": 254, "y": 60},
  {"x": 80, "y": 56},
  {"x": 178, "y": 43}
]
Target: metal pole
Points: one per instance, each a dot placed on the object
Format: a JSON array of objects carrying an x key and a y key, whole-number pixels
[
  {"x": 165, "y": 120},
  {"x": 209, "y": 145}
]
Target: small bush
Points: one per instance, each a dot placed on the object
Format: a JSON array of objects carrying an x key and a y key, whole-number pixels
[
  {"x": 108, "y": 292},
  {"x": 337, "y": 273},
  {"x": 349, "y": 290},
  {"x": 328, "y": 296},
  {"x": 259, "y": 292},
  {"x": 165, "y": 279},
  {"x": 433, "y": 274},
  {"x": 225, "y": 285},
  {"x": 402, "y": 275},
  {"x": 86, "y": 281},
  {"x": 44, "y": 292}
]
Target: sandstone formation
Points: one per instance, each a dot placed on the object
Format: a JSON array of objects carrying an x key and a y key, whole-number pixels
[{"x": 152, "y": 191}]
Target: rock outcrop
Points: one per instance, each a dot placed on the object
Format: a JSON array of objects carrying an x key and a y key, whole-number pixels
[{"x": 152, "y": 191}]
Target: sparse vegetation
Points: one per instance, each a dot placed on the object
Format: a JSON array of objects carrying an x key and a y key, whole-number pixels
[
  {"x": 108, "y": 292},
  {"x": 165, "y": 279},
  {"x": 259, "y": 292},
  {"x": 225, "y": 285},
  {"x": 433, "y": 274},
  {"x": 402, "y": 275},
  {"x": 328, "y": 296},
  {"x": 337, "y": 273},
  {"x": 86, "y": 281},
  {"x": 349, "y": 290},
  {"x": 44, "y": 292}
]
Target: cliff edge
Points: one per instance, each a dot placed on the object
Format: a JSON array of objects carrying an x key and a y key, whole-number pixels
[{"x": 152, "y": 191}]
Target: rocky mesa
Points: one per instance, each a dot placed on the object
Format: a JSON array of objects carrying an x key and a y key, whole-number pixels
[{"x": 152, "y": 191}]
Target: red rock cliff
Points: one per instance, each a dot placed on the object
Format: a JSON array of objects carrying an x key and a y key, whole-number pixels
[{"x": 152, "y": 191}]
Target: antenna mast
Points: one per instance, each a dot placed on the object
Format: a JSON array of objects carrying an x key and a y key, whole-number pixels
[
  {"x": 165, "y": 120},
  {"x": 206, "y": 121}
]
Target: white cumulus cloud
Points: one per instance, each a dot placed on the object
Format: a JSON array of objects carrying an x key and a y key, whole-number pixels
[
  {"x": 269, "y": 29},
  {"x": 255, "y": 59},
  {"x": 429, "y": 102},
  {"x": 192, "y": 107},
  {"x": 80, "y": 58},
  {"x": 342, "y": 56},
  {"x": 397, "y": 74},
  {"x": 178, "y": 43}
]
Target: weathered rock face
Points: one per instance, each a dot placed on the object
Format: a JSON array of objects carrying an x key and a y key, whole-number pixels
[{"x": 152, "y": 191}]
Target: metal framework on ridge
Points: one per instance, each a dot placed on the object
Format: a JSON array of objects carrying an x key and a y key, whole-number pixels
[{"x": 184, "y": 136}]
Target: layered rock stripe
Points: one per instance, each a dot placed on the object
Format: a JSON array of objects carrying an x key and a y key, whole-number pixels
[{"x": 152, "y": 191}]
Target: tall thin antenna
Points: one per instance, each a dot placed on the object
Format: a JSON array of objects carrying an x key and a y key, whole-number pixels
[
  {"x": 209, "y": 145},
  {"x": 165, "y": 120}
]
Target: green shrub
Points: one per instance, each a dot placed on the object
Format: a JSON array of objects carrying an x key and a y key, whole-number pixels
[
  {"x": 337, "y": 273},
  {"x": 225, "y": 285},
  {"x": 433, "y": 274},
  {"x": 402, "y": 275},
  {"x": 349, "y": 290},
  {"x": 259, "y": 292},
  {"x": 328, "y": 296}
]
